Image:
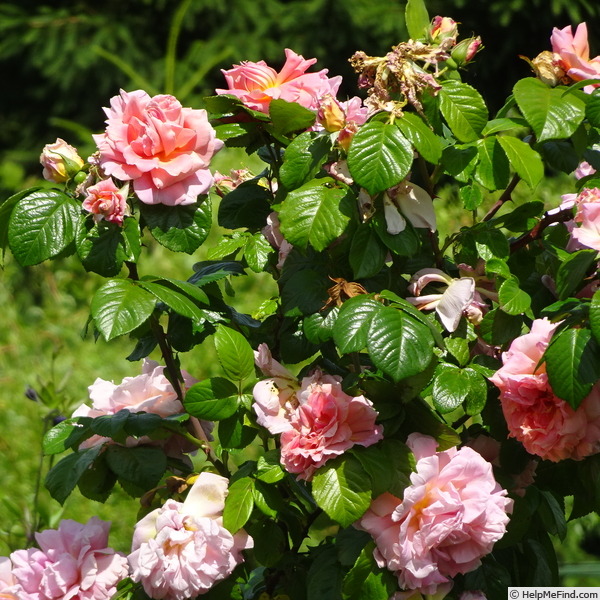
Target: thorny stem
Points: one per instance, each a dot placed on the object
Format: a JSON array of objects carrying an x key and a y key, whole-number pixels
[
  {"x": 175, "y": 376},
  {"x": 506, "y": 196},
  {"x": 553, "y": 216}
]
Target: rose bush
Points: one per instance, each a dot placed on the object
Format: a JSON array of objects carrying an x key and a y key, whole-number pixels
[{"x": 353, "y": 414}]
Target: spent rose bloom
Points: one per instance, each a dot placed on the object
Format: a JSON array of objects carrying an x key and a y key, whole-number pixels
[
  {"x": 60, "y": 161},
  {"x": 573, "y": 53},
  {"x": 408, "y": 201},
  {"x": 256, "y": 84},
  {"x": 149, "y": 392},
  {"x": 182, "y": 549},
  {"x": 451, "y": 516},
  {"x": 273, "y": 235},
  {"x": 73, "y": 563},
  {"x": 546, "y": 425},
  {"x": 162, "y": 147},
  {"x": 106, "y": 201}
]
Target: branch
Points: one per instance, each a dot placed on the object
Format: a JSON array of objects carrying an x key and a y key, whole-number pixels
[
  {"x": 506, "y": 196},
  {"x": 556, "y": 215}
]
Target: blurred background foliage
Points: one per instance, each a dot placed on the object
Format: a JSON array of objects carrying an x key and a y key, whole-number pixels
[{"x": 61, "y": 60}]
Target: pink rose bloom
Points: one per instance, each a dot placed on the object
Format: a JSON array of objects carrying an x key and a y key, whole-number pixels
[
  {"x": 573, "y": 53},
  {"x": 583, "y": 170},
  {"x": 451, "y": 516},
  {"x": 149, "y": 392},
  {"x": 8, "y": 584},
  {"x": 342, "y": 117},
  {"x": 546, "y": 425},
  {"x": 163, "y": 148},
  {"x": 60, "y": 161},
  {"x": 326, "y": 424},
  {"x": 256, "y": 84},
  {"x": 182, "y": 549},
  {"x": 73, "y": 562},
  {"x": 106, "y": 201}
]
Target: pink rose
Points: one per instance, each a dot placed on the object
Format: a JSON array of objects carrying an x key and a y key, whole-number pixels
[
  {"x": 106, "y": 201},
  {"x": 342, "y": 117},
  {"x": 149, "y": 392},
  {"x": 451, "y": 516},
  {"x": 573, "y": 53},
  {"x": 163, "y": 148},
  {"x": 583, "y": 170},
  {"x": 272, "y": 233},
  {"x": 546, "y": 425},
  {"x": 8, "y": 583},
  {"x": 326, "y": 424},
  {"x": 73, "y": 562},
  {"x": 256, "y": 84},
  {"x": 182, "y": 549},
  {"x": 60, "y": 161}
]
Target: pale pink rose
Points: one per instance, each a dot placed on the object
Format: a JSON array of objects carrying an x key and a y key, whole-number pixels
[
  {"x": 573, "y": 53},
  {"x": 583, "y": 170},
  {"x": 8, "y": 583},
  {"x": 182, "y": 549},
  {"x": 272, "y": 233},
  {"x": 163, "y": 148},
  {"x": 106, "y": 201},
  {"x": 326, "y": 424},
  {"x": 546, "y": 425},
  {"x": 60, "y": 161},
  {"x": 149, "y": 392},
  {"x": 73, "y": 563},
  {"x": 256, "y": 84},
  {"x": 451, "y": 516}
]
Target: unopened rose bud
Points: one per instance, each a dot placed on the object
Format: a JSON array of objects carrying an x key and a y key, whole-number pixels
[
  {"x": 443, "y": 28},
  {"x": 60, "y": 161},
  {"x": 331, "y": 114},
  {"x": 465, "y": 51}
]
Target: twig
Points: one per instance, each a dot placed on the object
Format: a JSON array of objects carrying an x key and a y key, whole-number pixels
[
  {"x": 549, "y": 218},
  {"x": 506, "y": 196}
]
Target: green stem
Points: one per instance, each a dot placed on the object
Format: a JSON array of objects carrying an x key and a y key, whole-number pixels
[{"x": 171, "y": 54}]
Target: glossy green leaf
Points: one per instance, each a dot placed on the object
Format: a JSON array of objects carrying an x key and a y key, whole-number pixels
[
  {"x": 420, "y": 135},
  {"x": 248, "y": 205},
  {"x": 338, "y": 489},
  {"x": 141, "y": 466},
  {"x": 367, "y": 253},
  {"x": 464, "y": 110},
  {"x": 398, "y": 344},
  {"x": 120, "y": 306},
  {"x": 572, "y": 272},
  {"x": 551, "y": 114},
  {"x": 42, "y": 225},
  {"x": 405, "y": 243},
  {"x": 379, "y": 156},
  {"x": 460, "y": 161},
  {"x": 595, "y": 316},
  {"x": 287, "y": 117},
  {"x": 178, "y": 228},
  {"x": 452, "y": 386},
  {"x": 212, "y": 399},
  {"x": 503, "y": 124},
  {"x": 316, "y": 213},
  {"x": 573, "y": 364},
  {"x": 492, "y": 170},
  {"x": 417, "y": 19},
  {"x": 303, "y": 158},
  {"x": 66, "y": 434},
  {"x": 238, "y": 504},
  {"x": 524, "y": 160},
  {"x": 318, "y": 327},
  {"x": 351, "y": 329},
  {"x": 257, "y": 251},
  {"x": 471, "y": 196},
  {"x": 174, "y": 300},
  {"x": 234, "y": 353},
  {"x": 513, "y": 300}
]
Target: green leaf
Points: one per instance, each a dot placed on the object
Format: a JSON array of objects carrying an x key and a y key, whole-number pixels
[
  {"x": 572, "y": 272},
  {"x": 460, "y": 161},
  {"x": 174, "y": 300},
  {"x": 318, "y": 327},
  {"x": 452, "y": 386},
  {"x": 464, "y": 110},
  {"x": 351, "y": 329},
  {"x": 338, "y": 489},
  {"x": 573, "y": 364},
  {"x": 257, "y": 251},
  {"x": 304, "y": 293},
  {"x": 316, "y": 213},
  {"x": 560, "y": 155},
  {"x": 63, "y": 477},
  {"x": 492, "y": 170},
  {"x": 268, "y": 467},
  {"x": 6, "y": 208},
  {"x": 287, "y": 117},
  {"x": 367, "y": 253},
  {"x": 551, "y": 114},
  {"x": 379, "y": 156},
  {"x": 120, "y": 306},
  {"x": 512, "y": 299},
  {"x": 234, "y": 433},
  {"x": 405, "y": 243},
  {"x": 503, "y": 124},
  {"x": 67, "y": 434},
  {"x": 471, "y": 196},
  {"x": 417, "y": 19},
  {"x": 324, "y": 577},
  {"x": 234, "y": 353},
  {"x": 418, "y": 133},
  {"x": 42, "y": 225},
  {"x": 592, "y": 110},
  {"x": 97, "y": 481},
  {"x": 492, "y": 243},
  {"x": 303, "y": 159},
  {"x": 191, "y": 290},
  {"x": 524, "y": 159},
  {"x": 238, "y": 504},
  {"x": 212, "y": 399},
  {"x": 178, "y": 228},
  {"x": 398, "y": 344},
  {"x": 595, "y": 316},
  {"x": 141, "y": 466}
]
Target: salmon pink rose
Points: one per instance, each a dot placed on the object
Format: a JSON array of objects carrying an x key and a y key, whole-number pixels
[
  {"x": 106, "y": 201},
  {"x": 546, "y": 425},
  {"x": 573, "y": 53},
  {"x": 182, "y": 549},
  {"x": 451, "y": 516},
  {"x": 73, "y": 562},
  {"x": 256, "y": 84},
  {"x": 163, "y": 148},
  {"x": 60, "y": 161}
]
